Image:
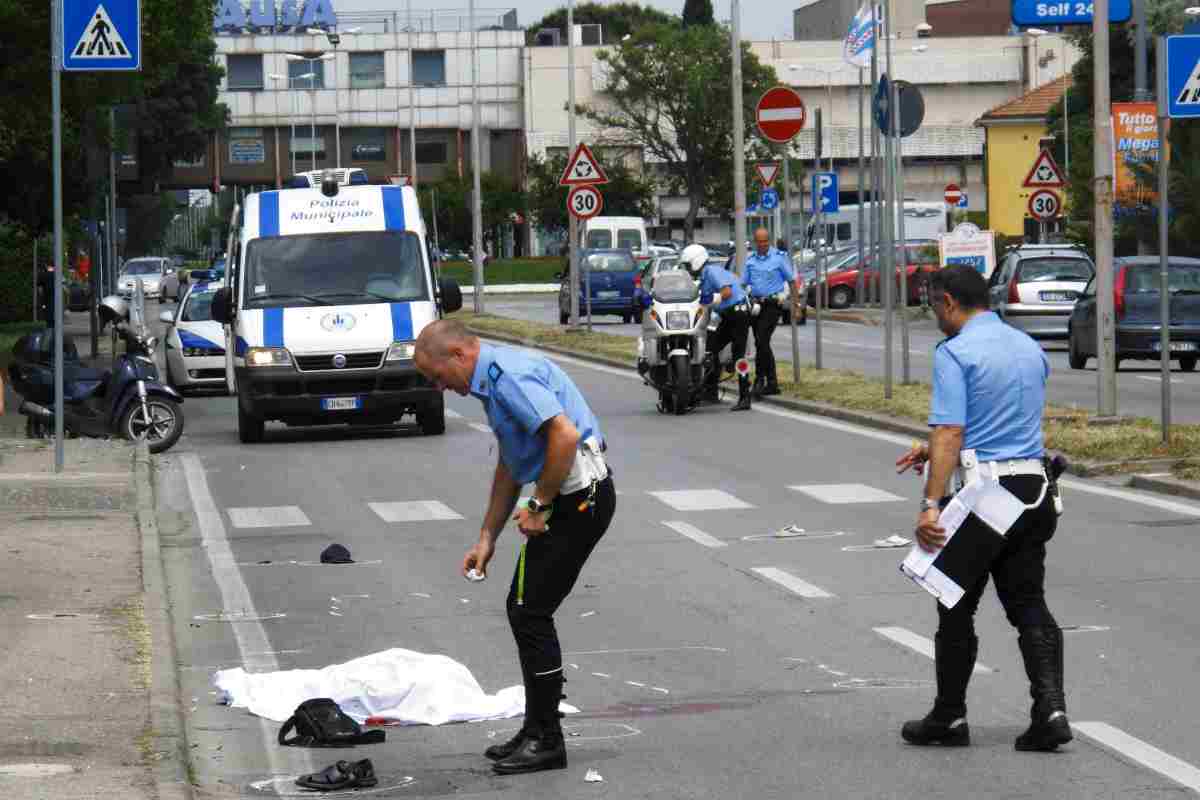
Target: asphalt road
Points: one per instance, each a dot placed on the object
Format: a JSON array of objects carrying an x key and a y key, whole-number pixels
[
  {"x": 709, "y": 659},
  {"x": 846, "y": 345}
]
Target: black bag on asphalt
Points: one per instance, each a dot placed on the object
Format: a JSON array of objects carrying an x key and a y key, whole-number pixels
[{"x": 320, "y": 722}]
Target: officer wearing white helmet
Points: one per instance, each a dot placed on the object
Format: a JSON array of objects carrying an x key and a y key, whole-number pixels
[{"x": 721, "y": 289}]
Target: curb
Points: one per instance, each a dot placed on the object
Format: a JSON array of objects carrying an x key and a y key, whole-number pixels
[
  {"x": 166, "y": 718},
  {"x": 1171, "y": 486},
  {"x": 513, "y": 288}
]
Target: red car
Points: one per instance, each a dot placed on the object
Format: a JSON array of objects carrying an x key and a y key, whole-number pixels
[{"x": 840, "y": 288}]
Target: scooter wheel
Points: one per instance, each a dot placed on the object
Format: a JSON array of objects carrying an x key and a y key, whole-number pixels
[{"x": 163, "y": 428}]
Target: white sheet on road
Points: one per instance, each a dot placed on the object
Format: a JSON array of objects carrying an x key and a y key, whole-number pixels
[{"x": 401, "y": 685}]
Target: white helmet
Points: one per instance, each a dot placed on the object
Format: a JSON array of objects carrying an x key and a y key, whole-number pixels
[
  {"x": 693, "y": 258},
  {"x": 113, "y": 309}
]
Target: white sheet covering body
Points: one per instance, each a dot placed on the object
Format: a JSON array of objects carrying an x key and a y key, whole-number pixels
[{"x": 400, "y": 685}]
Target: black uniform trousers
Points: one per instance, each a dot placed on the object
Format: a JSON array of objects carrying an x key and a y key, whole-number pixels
[
  {"x": 1019, "y": 569},
  {"x": 764, "y": 327},
  {"x": 553, "y": 562},
  {"x": 734, "y": 329}
]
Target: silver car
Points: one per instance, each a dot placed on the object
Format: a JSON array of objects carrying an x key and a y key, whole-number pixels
[
  {"x": 1034, "y": 288},
  {"x": 151, "y": 270}
]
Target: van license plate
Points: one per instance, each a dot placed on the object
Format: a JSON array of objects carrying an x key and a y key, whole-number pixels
[{"x": 341, "y": 403}]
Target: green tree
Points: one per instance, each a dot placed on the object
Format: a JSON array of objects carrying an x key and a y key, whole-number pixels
[
  {"x": 501, "y": 201},
  {"x": 697, "y": 12},
  {"x": 615, "y": 20},
  {"x": 626, "y": 194},
  {"x": 668, "y": 91}
]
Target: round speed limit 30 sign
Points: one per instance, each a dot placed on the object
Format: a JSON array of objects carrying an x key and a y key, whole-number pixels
[
  {"x": 1044, "y": 204},
  {"x": 584, "y": 202}
]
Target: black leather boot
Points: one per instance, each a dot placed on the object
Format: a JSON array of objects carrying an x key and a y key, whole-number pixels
[
  {"x": 1042, "y": 651},
  {"x": 498, "y": 752},
  {"x": 543, "y": 748},
  {"x": 946, "y": 724},
  {"x": 771, "y": 387},
  {"x": 757, "y": 390},
  {"x": 743, "y": 403}
]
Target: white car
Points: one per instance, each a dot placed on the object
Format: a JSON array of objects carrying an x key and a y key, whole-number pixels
[
  {"x": 151, "y": 270},
  {"x": 195, "y": 342}
]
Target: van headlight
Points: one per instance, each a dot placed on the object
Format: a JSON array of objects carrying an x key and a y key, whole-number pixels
[
  {"x": 678, "y": 321},
  {"x": 268, "y": 357},
  {"x": 401, "y": 351}
]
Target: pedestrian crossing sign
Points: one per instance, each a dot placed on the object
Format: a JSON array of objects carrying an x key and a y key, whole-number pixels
[{"x": 102, "y": 35}]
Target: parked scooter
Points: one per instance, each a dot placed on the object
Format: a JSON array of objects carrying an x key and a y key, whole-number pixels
[
  {"x": 672, "y": 353},
  {"x": 127, "y": 401}
]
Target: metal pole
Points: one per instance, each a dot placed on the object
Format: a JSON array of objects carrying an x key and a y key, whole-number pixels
[
  {"x": 797, "y": 300},
  {"x": 876, "y": 172},
  {"x": 292, "y": 141},
  {"x": 312, "y": 107},
  {"x": 112, "y": 196},
  {"x": 1164, "y": 302},
  {"x": 1141, "y": 91},
  {"x": 822, "y": 238},
  {"x": 35, "y": 276},
  {"x": 587, "y": 286},
  {"x": 829, "y": 122},
  {"x": 476, "y": 197},
  {"x": 739, "y": 144},
  {"x": 886, "y": 258},
  {"x": 905, "y": 364},
  {"x": 56, "y": 305},
  {"x": 412, "y": 102},
  {"x": 862, "y": 177},
  {"x": 1106, "y": 377},
  {"x": 436, "y": 241},
  {"x": 572, "y": 223}
]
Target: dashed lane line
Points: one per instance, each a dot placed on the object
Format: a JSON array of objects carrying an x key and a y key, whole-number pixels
[
  {"x": 1143, "y": 753},
  {"x": 793, "y": 584},
  {"x": 694, "y": 533},
  {"x": 919, "y": 644}
]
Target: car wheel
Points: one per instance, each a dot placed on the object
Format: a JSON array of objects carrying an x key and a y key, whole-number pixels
[
  {"x": 432, "y": 418},
  {"x": 841, "y": 297},
  {"x": 251, "y": 429},
  {"x": 1187, "y": 363},
  {"x": 1076, "y": 359}
]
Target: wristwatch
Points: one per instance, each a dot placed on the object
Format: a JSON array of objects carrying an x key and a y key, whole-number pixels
[
  {"x": 536, "y": 507},
  {"x": 929, "y": 505}
]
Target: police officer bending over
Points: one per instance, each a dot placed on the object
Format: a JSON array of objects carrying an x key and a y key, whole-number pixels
[
  {"x": 721, "y": 289},
  {"x": 548, "y": 437},
  {"x": 989, "y": 383},
  {"x": 766, "y": 277}
]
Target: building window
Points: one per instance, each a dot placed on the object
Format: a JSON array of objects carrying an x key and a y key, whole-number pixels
[
  {"x": 244, "y": 73},
  {"x": 368, "y": 144},
  {"x": 298, "y": 70},
  {"x": 366, "y": 71},
  {"x": 432, "y": 153},
  {"x": 429, "y": 67}
]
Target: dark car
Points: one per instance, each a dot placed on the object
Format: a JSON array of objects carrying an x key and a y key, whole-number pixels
[
  {"x": 613, "y": 274},
  {"x": 1136, "y": 300}
]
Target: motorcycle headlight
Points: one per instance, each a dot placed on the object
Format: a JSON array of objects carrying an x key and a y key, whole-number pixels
[
  {"x": 268, "y": 357},
  {"x": 678, "y": 321},
  {"x": 401, "y": 351}
]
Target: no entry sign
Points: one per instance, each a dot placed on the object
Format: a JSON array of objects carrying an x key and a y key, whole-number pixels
[
  {"x": 953, "y": 194},
  {"x": 780, "y": 114}
]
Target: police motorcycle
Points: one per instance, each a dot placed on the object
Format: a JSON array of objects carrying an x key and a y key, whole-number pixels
[
  {"x": 127, "y": 400},
  {"x": 673, "y": 355}
]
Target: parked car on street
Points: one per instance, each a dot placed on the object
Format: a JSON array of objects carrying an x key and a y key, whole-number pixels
[
  {"x": 150, "y": 269},
  {"x": 1035, "y": 287},
  {"x": 613, "y": 273},
  {"x": 1136, "y": 303},
  {"x": 195, "y": 344}
]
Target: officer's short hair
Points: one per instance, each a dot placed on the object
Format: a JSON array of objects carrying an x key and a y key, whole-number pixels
[{"x": 963, "y": 283}]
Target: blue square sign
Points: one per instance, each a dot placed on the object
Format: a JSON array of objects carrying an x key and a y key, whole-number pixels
[
  {"x": 1183, "y": 76},
  {"x": 102, "y": 35},
  {"x": 825, "y": 192},
  {"x": 1066, "y": 12}
]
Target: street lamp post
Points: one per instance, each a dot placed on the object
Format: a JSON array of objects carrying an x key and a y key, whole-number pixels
[
  {"x": 334, "y": 39},
  {"x": 828, "y": 73},
  {"x": 291, "y": 117},
  {"x": 312, "y": 86}
]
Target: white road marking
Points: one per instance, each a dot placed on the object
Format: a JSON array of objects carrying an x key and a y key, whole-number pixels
[
  {"x": 695, "y": 534},
  {"x": 452, "y": 414},
  {"x": 414, "y": 511},
  {"x": 1162, "y": 503},
  {"x": 479, "y": 426},
  {"x": 1141, "y": 752},
  {"x": 660, "y": 689},
  {"x": 647, "y": 650},
  {"x": 267, "y": 517},
  {"x": 793, "y": 584},
  {"x": 602, "y": 675},
  {"x": 919, "y": 644},
  {"x": 842, "y": 493},
  {"x": 700, "y": 500},
  {"x": 1156, "y": 378},
  {"x": 251, "y": 637},
  {"x": 635, "y": 683}
]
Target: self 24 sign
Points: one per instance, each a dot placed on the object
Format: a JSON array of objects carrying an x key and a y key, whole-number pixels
[{"x": 1066, "y": 12}]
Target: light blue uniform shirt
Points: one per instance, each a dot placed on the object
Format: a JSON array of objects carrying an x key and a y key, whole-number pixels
[
  {"x": 991, "y": 379},
  {"x": 769, "y": 274},
  {"x": 519, "y": 393},
  {"x": 713, "y": 279}
]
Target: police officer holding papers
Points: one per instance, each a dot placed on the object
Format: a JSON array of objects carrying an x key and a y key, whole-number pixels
[
  {"x": 989, "y": 383},
  {"x": 547, "y": 437},
  {"x": 766, "y": 276},
  {"x": 720, "y": 289}
]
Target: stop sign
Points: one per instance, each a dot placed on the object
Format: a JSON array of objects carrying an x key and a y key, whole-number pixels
[
  {"x": 780, "y": 114},
  {"x": 953, "y": 194}
]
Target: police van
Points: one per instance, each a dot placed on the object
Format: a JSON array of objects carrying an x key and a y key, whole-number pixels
[{"x": 326, "y": 293}]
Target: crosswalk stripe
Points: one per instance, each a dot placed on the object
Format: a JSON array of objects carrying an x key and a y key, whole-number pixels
[
  {"x": 1141, "y": 752},
  {"x": 267, "y": 517},
  {"x": 694, "y": 533},
  {"x": 793, "y": 584},
  {"x": 414, "y": 511},
  {"x": 919, "y": 644}
]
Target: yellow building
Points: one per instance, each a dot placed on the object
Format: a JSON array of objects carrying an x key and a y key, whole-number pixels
[{"x": 1013, "y": 135}]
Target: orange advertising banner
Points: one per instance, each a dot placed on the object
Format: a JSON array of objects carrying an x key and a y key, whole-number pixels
[{"x": 1135, "y": 153}]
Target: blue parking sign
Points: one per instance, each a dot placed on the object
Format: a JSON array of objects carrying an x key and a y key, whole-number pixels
[
  {"x": 1183, "y": 76},
  {"x": 825, "y": 192},
  {"x": 102, "y": 35}
]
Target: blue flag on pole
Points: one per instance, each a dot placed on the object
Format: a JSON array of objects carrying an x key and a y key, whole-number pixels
[{"x": 860, "y": 38}]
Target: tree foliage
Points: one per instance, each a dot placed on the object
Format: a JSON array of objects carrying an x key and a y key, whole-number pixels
[
  {"x": 616, "y": 19},
  {"x": 452, "y": 198},
  {"x": 626, "y": 194},
  {"x": 697, "y": 12},
  {"x": 669, "y": 91}
]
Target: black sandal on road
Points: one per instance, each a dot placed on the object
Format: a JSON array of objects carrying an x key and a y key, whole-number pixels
[{"x": 342, "y": 775}]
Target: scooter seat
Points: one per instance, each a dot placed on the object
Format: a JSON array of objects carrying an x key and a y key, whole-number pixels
[{"x": 81, "y": 382}]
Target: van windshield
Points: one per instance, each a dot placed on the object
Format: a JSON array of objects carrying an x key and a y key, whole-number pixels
[
  {"x": 334, "y": 269},
  {"x": 630, "y": 238},
  {"x": 599, "y": 240}
]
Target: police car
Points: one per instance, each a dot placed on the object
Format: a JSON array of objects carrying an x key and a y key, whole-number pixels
[
  {"x": 327, "y": 291},
  {"x": 195, "y": 343}
]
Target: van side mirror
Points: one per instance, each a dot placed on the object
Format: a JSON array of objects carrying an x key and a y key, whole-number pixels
[
  {"x": 222, "y": 306},
  {"x": 451, "y": 295}
]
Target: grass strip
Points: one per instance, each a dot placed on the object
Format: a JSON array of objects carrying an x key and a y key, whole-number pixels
[
  {"x": 1066, "y": 429},
  {"x": 505, "y": 271}
]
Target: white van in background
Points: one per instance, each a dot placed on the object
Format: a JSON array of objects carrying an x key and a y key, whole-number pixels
[
  {"x": 921, "y": 221},
  {"x": 604, "y": 233}
]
